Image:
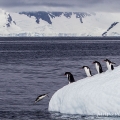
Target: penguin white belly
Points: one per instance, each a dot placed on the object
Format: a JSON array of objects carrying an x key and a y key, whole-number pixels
[
  {"x": 108, "y": 65},
  {"x": 67, "y": 76},
  {"x": 87, "y": 72},
  {"x": 41, "y": 97},
  {"x": 97, "y": 68}
]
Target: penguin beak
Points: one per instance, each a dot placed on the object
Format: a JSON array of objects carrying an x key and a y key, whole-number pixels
[{"x": 81, "y": 68}]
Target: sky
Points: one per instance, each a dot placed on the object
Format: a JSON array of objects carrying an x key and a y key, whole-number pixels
[{"x": 61, "y": 5}]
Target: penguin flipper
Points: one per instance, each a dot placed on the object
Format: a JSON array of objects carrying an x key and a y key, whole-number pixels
[
  {"x": 112, "y": 67},
  {"x": 113, "y": 63}
]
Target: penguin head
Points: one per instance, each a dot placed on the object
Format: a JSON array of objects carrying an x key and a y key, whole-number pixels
[
  {"x": 112, "y": 63},
  {"x": 106, "y": 60},
  {"x": 67, "y": 73},
  {"x": 83, "y": 67},
  {"x": 95, "y": 62}
]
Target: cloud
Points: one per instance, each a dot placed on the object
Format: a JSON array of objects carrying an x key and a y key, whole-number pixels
[{"x": 62, "y": 5}]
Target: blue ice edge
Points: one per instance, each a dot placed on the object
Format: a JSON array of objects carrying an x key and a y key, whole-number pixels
[{"x": 97, "y": 95}]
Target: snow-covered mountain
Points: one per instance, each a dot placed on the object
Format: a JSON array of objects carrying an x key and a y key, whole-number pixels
[
  {"x": 59, "y": 24},
  {"x": 7, "y": 24}
]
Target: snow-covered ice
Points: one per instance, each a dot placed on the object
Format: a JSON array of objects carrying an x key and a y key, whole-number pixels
[{"x": 96, "y": 95}]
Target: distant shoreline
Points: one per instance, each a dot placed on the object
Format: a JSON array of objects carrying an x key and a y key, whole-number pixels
[{"x": 59, "y": 38}]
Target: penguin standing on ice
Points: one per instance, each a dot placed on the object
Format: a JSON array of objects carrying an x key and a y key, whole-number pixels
[
  {"x": 109, "y": 64},
  {"x": 70, "y": 77},
  {"x": 98, "y": 67},
  {"x": 87, "y": 71}
]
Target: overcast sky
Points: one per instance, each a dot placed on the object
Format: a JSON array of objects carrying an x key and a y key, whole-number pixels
[{"x": 61, "y": 5}]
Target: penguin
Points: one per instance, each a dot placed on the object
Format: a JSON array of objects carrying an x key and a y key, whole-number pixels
[
  {"x": 70, "y": 77},
  {"x": 40, "y": 97},
  {"x": 87, "y": 71},
  {"x": 98, "y": 67},
  {"x": 109, "y": 64}
]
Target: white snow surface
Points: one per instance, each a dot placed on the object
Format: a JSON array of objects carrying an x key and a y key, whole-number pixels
[
  {"x": 96, "y": 95},
  {"x": 93, "y": 25}
]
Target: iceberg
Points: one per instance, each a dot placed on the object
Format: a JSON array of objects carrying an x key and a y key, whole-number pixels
[{"x": 96, "y": 95}]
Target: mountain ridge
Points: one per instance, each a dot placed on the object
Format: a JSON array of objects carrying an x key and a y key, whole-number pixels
[{"x": 59, "y": 24}]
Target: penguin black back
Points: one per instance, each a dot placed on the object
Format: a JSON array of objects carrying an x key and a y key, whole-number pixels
[
  {"x": 112, "y": 67},
  {"x": 99, "y": 65},
  {"x": 70, "y": 77}
]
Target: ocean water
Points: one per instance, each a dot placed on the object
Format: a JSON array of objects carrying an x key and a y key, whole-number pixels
[{"x": 30, "y": 68}]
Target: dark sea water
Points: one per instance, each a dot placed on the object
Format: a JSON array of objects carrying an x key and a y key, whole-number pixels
[{"x": 30, "y": 68}]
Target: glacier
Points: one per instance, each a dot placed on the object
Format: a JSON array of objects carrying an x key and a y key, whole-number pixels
[{"x": 96, "y": 95}]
